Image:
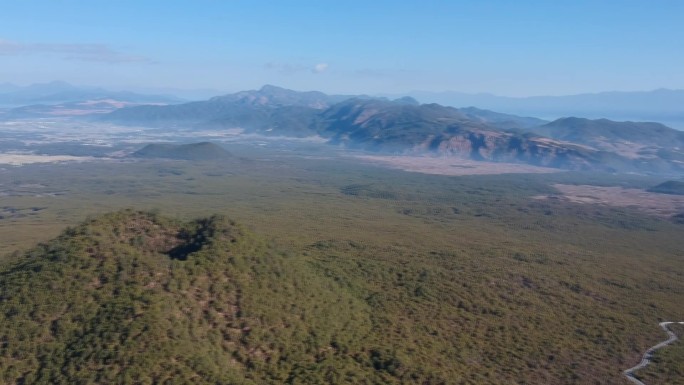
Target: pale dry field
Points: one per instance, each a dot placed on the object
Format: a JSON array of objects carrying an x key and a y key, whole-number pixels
[
  {"x": 664, "y": 205},
  {"x": 452, "y": 166},
  {"x": 21, "y": 159}
]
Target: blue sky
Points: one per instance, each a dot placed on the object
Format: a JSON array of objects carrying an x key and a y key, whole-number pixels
[{"x": 517, "y": 48}]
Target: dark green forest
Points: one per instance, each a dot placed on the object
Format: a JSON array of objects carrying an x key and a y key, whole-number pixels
[{"x": 327, "y": 272}]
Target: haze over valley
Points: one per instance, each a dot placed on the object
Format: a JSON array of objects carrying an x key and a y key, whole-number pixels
[{"x": 384, "y": 126}]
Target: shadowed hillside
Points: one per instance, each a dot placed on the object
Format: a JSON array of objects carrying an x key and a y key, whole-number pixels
[
  {"x": 670, "y": 187},
  {"x": 404, "y": 126},
  {"x": 601, "y": 132}
]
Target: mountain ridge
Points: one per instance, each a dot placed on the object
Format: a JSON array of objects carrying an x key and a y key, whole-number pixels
[
  {"x": 662, "y": 105},
  {"x": 404, "y": 126}
]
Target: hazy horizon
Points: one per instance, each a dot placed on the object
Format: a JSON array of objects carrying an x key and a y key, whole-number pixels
[
  {"x": 529, "y": 49},
  {"x": 171, "y": 91}
]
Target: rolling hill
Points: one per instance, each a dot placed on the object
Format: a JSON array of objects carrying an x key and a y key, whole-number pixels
[
  {"x": 649, "y": 146},
  {"x": 669, "y": 187},
  {"x": 604, "y": 133},
  {"x": 134, "y": 298}
]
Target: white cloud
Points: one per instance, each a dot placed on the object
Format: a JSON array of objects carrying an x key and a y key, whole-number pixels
[
  {"x": 84, "y": 52},
  {"x": 319, "y": 68}
]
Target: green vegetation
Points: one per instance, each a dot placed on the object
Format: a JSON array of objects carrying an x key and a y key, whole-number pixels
[
  {"x": 135, "y": 298},
  {"x": 366, "y": 275},
  {"x": 192, "y": 151}
]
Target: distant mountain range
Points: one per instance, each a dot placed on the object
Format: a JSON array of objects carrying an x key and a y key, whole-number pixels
[
  {"x": 268, "y": 109},
  {"x": 283, "y": 110},
  {"x": 402, "y": 125},
  {"x": 66, "y": 109},
  {"x": 662, "y": 105},
  {"x": 405, "y": 126},
  {"x": 61, "y": 92}
]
